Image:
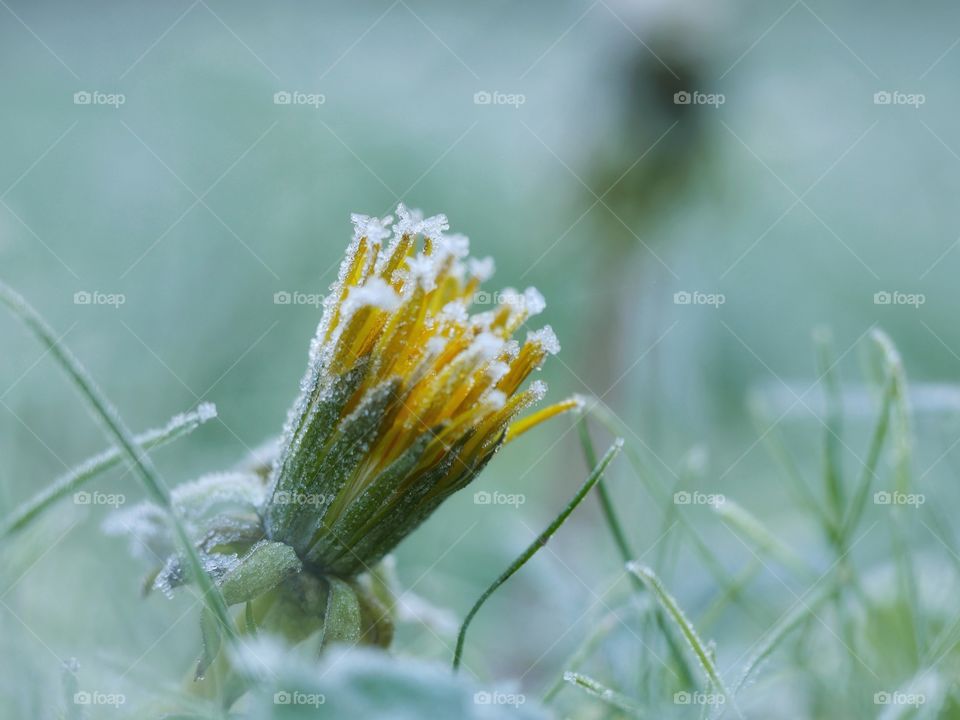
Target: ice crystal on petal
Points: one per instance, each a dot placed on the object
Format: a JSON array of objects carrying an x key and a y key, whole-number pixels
[
  {"x": 487, "y": 346},
  {"x": 538, "y": 390},
  {"x": 423, "y": 269},
  {"x": 454, "y": 244},
  {"x": 546, "y": 338},
  {"x": 376, "y": 293},
  {"x": 409, "y": 221},
  {"x": 534, "y": 303},
  {"x": 481, "y": 269},
  {"x": 495, "y": 399},
  {"x": 372, "y": 228},
  {"x": 434, "y": 227},
  {"x": 497, "y": 370}
]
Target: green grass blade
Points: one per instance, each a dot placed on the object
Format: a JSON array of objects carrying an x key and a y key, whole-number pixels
[
  {"x": 177, "y": 427},
  {"x": 832, "y": 470},
  {"x": 602, "y": 692},
  {"x": 859, "y": 501},
  {"x": 536, "y": 545},
  {"x": 772, "y": 439},
  {"x": 689, "y": 633},
  {"x": 776, "y": 635},
  {"x": 116, "y": 428},
  {"x": 661, "y": 494},
  {"x": 739, "y": 519},
  {"x": 623, "y": 545}
]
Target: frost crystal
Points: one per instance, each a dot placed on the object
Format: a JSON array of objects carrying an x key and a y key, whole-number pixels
[
  {"x": 423, "y": 269},
  {"x": 456, "y": 244},
  {"x": 454, "y": 312},
  {"x": 497, "y": 370},
  {"x": 538, "y": 389},
  {"x": 481, "y": 269},
  {"x": 546, "y": 338},
  {"x": 376, "y": 293},
  {"x": 409, "y": 221},
  {"x": 372, "y": 228},
  {"x": 533, "y": 301},
  {"x": 496, "y": 399},
  {"x": 434, "y": 227},
  {"x": 486, "y": 346}
]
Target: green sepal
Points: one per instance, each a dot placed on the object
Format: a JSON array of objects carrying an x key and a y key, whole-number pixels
[
  {"x": 260, "y": 570},
  {"x": 212, "y": 638},
  {"x": 343, "y": 617}
]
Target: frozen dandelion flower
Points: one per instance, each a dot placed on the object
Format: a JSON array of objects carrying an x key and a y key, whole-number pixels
[{"x": 407, "y": 399}]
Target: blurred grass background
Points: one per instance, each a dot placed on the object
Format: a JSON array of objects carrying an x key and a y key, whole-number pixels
[{"x": 198, "y": 199}]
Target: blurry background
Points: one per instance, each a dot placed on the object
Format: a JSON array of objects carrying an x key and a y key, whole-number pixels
[{"x": 614, "y": 154}]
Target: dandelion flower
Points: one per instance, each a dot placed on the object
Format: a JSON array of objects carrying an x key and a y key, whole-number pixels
[{"x": 407, "y": 396}]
